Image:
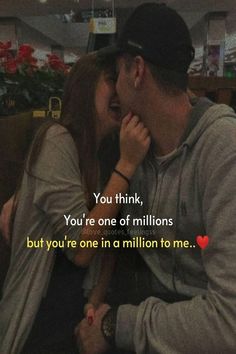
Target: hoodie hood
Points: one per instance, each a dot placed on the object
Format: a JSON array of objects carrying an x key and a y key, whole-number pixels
[{"x": 208, "y": 113}]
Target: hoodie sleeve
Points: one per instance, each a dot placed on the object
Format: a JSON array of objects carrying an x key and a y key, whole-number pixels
[{"x": 205, "y": 324}]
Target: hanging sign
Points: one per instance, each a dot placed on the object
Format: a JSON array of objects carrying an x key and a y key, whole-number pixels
[{"x": 102, "y": 25}]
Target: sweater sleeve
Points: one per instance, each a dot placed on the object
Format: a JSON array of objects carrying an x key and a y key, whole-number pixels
[
  {"x": 58, "y": 188},
  {"x": 205, "y": 324}
]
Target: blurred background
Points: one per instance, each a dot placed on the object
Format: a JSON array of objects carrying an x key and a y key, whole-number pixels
[{"x": 62, "y": 26}]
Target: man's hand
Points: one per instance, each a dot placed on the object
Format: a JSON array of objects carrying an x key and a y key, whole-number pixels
[{"x": 89, "y": 337}]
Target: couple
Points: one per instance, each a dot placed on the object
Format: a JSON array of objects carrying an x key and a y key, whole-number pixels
[{"x": 188, "y": 175}]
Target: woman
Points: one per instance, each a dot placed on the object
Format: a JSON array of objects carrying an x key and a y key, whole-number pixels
[{"x": 60, "y": 177}]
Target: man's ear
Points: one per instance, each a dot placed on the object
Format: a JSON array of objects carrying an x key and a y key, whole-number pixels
[{"x": 139, "y": 71}]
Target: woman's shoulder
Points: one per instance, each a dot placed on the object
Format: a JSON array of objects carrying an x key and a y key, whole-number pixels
[
  {"x": 56, "y": 130},
  {"x": 58, "y": 135}
]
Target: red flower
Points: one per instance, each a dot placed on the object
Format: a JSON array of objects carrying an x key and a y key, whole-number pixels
[
  {"x": 25, "y": 51},
  {"x": 4, "y": 50},
  {"x": 5, "y": 54},
  {"x": 25, "y": 55},
  {"x": 6, "y": 45},
  {"x": 32, "y": 61},
  {"x": 56, "y": 63},
  {"x": 11, "y": 66}
]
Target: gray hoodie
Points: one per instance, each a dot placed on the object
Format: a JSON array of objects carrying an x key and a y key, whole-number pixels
[{"x": 196, "y": 187}]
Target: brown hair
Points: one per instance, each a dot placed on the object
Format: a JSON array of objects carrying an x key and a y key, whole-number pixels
[{"x": 78, "y": 116}]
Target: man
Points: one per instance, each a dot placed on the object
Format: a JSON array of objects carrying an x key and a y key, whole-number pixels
[{"x": 189, "y": 178}]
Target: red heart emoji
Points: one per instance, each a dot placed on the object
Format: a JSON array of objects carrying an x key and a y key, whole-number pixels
[{"x": 202, "y": 241}]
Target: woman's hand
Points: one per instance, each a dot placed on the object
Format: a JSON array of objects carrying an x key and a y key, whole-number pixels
[{"x": 134, "y": 144}]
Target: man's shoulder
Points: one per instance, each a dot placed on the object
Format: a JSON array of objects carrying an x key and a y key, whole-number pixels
[
  {"x": 217, "y": 126},
  {"x": 222, "y": 130}
]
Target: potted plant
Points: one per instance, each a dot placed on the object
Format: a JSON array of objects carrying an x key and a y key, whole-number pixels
[{"x": 24, "y": 83}]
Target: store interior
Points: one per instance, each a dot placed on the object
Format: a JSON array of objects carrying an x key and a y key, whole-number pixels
[{"x": 63, "y": 26}]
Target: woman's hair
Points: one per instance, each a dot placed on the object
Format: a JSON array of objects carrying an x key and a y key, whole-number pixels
[{"x": 78, "y": 116}]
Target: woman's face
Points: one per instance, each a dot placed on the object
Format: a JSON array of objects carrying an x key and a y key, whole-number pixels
[{"x": 107, "y": 105}]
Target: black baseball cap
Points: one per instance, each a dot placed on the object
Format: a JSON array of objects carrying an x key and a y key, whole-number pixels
[{"x": 157, "y": 33}]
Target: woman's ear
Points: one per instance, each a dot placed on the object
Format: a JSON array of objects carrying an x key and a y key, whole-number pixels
[{"x": 139, "y": 71}]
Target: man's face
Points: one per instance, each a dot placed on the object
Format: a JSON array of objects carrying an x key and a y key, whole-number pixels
[{"x": 124, "y": 87}]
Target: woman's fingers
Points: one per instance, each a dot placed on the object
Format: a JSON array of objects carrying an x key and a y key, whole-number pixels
[
  {"x": 144, "y": 133},
  {"x": 134, "y": 141},
  {"x": 126, "y": 120}
]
